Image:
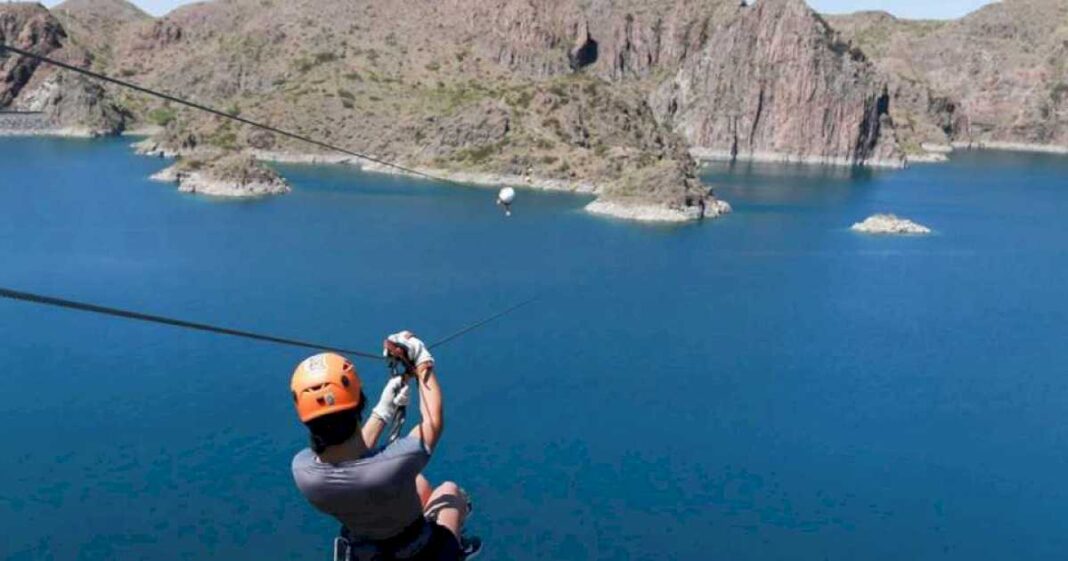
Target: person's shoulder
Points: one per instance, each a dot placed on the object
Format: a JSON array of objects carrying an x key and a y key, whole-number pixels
[
  {"x": 304, "y": 459},
  {"x": 408, "y": 445}
]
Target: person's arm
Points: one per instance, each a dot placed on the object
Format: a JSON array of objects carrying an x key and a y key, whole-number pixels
[
  {"x": 431, "y": 409},
  {"x": 394, "y": 395},
  {"x": 372, "y": 431}
]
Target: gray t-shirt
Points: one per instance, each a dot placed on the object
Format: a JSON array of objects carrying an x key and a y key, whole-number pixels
[{"x": 374, "y": 497}]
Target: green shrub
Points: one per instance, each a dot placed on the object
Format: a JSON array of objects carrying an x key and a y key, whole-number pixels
[
  {"x": 524, "y": 99},
  {"x": 559, "y": 90},
  {"x": 224, "y": 139},
  {"x": 1060, "y": 92},
  {"x": 325, "y": 57},
  {"x": 162, "y": 116},
  {"x": 480, "y": 154}
]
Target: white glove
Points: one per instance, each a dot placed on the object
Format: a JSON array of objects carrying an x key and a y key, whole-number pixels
[
  {"x": 417, "y": 351},
  {"x": 394, "y": 395}
]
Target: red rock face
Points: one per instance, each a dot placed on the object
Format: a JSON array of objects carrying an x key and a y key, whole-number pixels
[
  {"x": 773, "y": 81},
  {"x": 68, "y": 102},
  {"x": 998, "y": 75},
  {"x": 29, "y": 27},
  {"x": 765, "y": 80}
]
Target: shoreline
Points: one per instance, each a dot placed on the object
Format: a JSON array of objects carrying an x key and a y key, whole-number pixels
[
  {"x": 480, "y": 179},
  {"x": 656, "y": 213},
  {"x": 67, "y": 132},
  {"x": 1023, "y": 147},
  {"x": 703, "y": 155},
  {"x": 638, "y": 212}
]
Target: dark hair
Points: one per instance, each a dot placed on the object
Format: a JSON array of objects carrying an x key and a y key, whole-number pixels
[{"x": 335, "y": 428}]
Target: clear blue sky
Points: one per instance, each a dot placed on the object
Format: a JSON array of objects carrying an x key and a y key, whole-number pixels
[
  {"x": 903, "y": 8},
  {"x": 938, "y": 9}
]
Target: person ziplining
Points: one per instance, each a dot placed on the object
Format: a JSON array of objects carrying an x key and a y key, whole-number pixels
[
  {"x": 387, "y": 508},
  {"x": 345, "y": 473},
  {"x": 505, "y": 198}
]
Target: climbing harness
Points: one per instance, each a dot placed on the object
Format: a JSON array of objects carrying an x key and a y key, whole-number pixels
[{"x": 405, "y": 546}]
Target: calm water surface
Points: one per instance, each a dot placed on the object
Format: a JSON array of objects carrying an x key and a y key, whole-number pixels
[{"x": 768, "y": 386}]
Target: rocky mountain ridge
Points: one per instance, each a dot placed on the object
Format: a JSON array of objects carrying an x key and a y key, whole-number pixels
[{"x": 997, "y": 77}]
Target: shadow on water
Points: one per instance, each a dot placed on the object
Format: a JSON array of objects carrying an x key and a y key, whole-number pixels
[{"x": 756, "y": 186}]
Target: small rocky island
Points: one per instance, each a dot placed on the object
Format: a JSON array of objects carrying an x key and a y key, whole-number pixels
[
  {"x": 232, "y": 176},
  {"x": 890, "y": 224}
]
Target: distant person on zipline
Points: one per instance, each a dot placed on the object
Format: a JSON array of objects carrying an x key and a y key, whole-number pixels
[
  {"x": 505, "y": 198},
  {"x": 385, "y": 505}
]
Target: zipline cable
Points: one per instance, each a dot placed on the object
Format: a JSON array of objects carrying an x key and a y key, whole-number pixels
[
  {"x": 33, "y": 298},
  {"x": 219, "y": 113},
  {"x": 480, "y": 323},
  {"x": 127, "y": 314}
]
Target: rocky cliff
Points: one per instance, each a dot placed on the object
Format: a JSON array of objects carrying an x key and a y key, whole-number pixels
[
  {"x": 70, "y": 104},
  {"x": 996, "y": 77},
  {"x": 768, "y": 81},
  {"x": 773, "y": 83},
  {"x": 96, "y": 23}
]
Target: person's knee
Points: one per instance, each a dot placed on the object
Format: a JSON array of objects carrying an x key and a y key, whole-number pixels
[
  {"x": 448, "y": 488},
  {"x": 447, "y": 498}
]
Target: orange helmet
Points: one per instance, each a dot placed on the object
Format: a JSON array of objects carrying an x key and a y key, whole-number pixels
[{"x": 323, "y": 384}]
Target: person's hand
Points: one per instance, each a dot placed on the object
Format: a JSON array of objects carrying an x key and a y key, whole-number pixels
[
  {"x": 414, "y": 349},
  {"x": 394, "y": 395}
]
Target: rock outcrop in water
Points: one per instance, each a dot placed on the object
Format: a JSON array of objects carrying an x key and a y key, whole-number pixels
[
  {"x": 997, "y": 77},
  {"x": 889, "y": 224},
  {"x": 232, "y": 176}
]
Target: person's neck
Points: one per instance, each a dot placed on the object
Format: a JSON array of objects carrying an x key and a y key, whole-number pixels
[{"x": 351, "y": 449}]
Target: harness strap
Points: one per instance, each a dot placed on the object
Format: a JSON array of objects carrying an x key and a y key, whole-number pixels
[{"x": 405, "y": 545}]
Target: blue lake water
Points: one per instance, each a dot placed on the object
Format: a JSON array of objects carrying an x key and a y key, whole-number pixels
[{"x": 768, "y": 386}]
